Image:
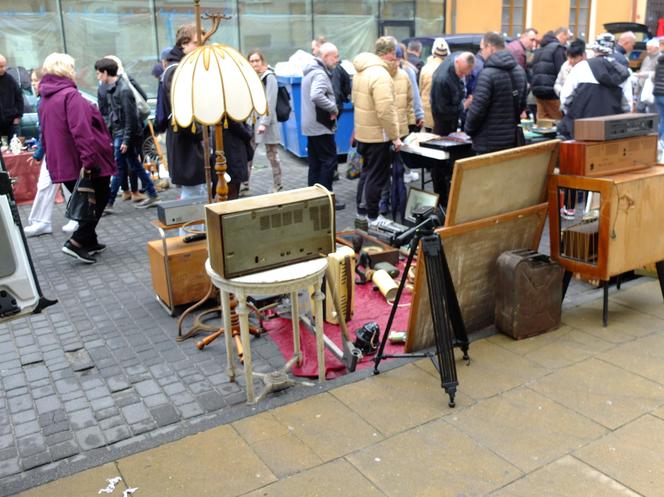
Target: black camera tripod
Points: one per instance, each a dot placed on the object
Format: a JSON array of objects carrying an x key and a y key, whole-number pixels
[{"x": 449, "y": 330}]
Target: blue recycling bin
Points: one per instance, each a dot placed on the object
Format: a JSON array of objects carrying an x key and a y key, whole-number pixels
[{"x": 292, "y": 138}]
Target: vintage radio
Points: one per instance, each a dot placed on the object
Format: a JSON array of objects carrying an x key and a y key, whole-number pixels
[
  {"x": 186, "y": 276},
  {"x": 258, "y": 233},
  {"x": 615, "y": 126},
  {"x": 341, "y": 273},
  {"x": 591, "y": 158},
  {"x": 181, "y": 211},
  {"x": 626, "y": 234}
]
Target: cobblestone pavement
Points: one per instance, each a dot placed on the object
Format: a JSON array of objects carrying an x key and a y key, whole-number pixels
[{"x": 100, "y": 375}]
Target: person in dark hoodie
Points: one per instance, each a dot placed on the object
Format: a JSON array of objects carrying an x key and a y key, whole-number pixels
[
  {"x": 495, "y": 111},
  {"x": 184, "y": 147},
  {"x": 595, "y": 87},
  {"x": 547, "y": 61},
  {"x": 11, "y": 103},
  {"x": 75, "y": 138}
]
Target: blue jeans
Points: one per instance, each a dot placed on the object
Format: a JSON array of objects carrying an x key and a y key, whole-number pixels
[
  {"x": 128, "y": 162},
  {"x": 659, "y": 102}
]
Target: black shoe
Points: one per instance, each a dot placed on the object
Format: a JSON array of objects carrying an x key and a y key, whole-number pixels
[
  {"x": 97, "y": 248},
  {"x": 339, "y": 206},
  {"x": 78, "y": 253}
]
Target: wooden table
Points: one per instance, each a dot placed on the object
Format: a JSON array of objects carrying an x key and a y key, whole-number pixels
[{"x": 25, "y": 173}]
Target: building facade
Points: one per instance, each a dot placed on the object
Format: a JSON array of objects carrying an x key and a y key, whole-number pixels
[{"x": 137, "y": 30}]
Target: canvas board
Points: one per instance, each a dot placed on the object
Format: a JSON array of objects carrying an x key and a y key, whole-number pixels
[{"x": 492, "y": 184}]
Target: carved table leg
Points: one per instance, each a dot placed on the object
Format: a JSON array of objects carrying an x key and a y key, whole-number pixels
[
  {"x": 295, "y": 319},
  {"x": 320, "y": 344},
  {"x": 243, "y": 313}
]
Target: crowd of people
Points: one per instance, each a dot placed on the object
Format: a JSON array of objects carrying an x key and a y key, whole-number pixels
[{"x": 394, "y": 92}]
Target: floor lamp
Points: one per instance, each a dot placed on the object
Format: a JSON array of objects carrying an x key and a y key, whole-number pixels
[{"x": 212, "y": 84}]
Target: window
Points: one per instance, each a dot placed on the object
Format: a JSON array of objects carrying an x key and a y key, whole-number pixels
[
  {"x": 429, "y": 17},
  {"x": 514, "y": 17},
  {"x": 351, "y": 25},
  {"x": 579, "y": 18},
  {"x": 277, "y": 28},
  {"x": 30, "y": 31},
  {"x": 124, "y": 28}
]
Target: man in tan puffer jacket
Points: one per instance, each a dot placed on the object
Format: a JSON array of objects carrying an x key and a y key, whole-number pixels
[
  {"x": 439, "y": 52},
  {"x": 376, "y": 122}
]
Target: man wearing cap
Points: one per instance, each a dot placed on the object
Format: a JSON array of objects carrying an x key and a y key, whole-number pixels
[
  {"x": 376, "y": 123},
  {"x": 440, "y": 51},
  {"x": 595, "y": 87}
]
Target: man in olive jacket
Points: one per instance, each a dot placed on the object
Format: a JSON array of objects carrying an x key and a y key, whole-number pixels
[
  {"x": 376, "y": 122},
  {"x": 493, "y": 114}
]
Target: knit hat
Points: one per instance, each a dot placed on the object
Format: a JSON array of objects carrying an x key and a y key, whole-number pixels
[
  {"x": 440, "y": 48},
  {"x": 604, "y": 44},
  {"x": 385, "y": 44},
  {"x": 165, "y": 52},
  {"x": 399, "y": 52}
]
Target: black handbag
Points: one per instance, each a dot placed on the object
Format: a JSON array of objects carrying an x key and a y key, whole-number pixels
[{"x": 82, "y": 205}]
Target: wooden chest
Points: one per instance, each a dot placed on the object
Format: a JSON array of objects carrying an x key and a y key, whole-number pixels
[
  {"x": 186, "y": 263},
  {"x": 627, "y": 234},
  {"x": 586, "y": 158}
]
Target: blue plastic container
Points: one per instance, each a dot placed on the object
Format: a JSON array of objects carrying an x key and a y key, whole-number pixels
[{"x": 292, "y": 138}]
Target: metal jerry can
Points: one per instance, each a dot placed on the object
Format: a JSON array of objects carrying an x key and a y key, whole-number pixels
[{"x": 528, "y": 293}]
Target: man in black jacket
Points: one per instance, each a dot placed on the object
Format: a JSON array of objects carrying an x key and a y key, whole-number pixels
[
  {"x": 11, "y": 103},
  {"x": 595, "y": 87},
  {"x": 625, "y": 45},
  {"x": 126, "y": 130},
  {"x": 498, "y": 99},
  {"x": 547, "y": 61},
  {"x": 448, "y": 102},
  {"x": 448, "y": 92}
]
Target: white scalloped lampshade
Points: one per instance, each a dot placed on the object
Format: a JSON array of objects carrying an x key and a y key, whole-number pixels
[{"x": 213, "y": 81}]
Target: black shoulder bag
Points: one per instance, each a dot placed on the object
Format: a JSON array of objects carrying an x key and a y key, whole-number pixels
[
  {"x": 520, "y": 137},
  {"x": 82, "y": 203}
]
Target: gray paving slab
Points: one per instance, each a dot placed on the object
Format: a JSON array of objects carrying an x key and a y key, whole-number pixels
[{"x": 100, "y": 375}]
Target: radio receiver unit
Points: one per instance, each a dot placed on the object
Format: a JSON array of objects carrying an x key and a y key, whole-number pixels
[
  {"x": 254, "y": 234},
  {"x": 615, "y": 126},
  {"x": 181, "y": 211}
]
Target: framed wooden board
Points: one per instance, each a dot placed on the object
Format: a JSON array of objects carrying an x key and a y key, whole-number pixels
[
  {"x": 492, "y": 184},
  {"x": 472, "y": 250}
]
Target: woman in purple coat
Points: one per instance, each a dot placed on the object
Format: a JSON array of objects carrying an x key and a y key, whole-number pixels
[{"x": 75, "y": 137}]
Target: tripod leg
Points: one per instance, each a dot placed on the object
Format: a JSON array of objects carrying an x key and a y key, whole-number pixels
[{"x": 381, "y": 349}]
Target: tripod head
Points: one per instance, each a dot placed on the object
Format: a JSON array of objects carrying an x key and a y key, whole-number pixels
[{"x": 424, "y": 228}]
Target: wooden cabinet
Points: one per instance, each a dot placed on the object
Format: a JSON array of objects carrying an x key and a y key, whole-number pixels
[
  {"x": 622, "y": 233},
  {"x": 185, "y": 274}
]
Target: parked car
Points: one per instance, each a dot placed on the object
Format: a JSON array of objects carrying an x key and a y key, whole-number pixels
[
  {"x": 464, "y": 42},
  {"x": 642, "y": 33}
]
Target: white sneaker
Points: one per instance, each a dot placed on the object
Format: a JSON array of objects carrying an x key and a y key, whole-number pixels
[
  {"x": 70, "y": 227},
  {"x": 379, "y": 222},
  {"x": 37, "y": 229},
  {"x": 411, "y": 176}
]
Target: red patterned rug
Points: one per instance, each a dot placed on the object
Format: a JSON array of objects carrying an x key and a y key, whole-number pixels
[{"x": 370, "y": 305}]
